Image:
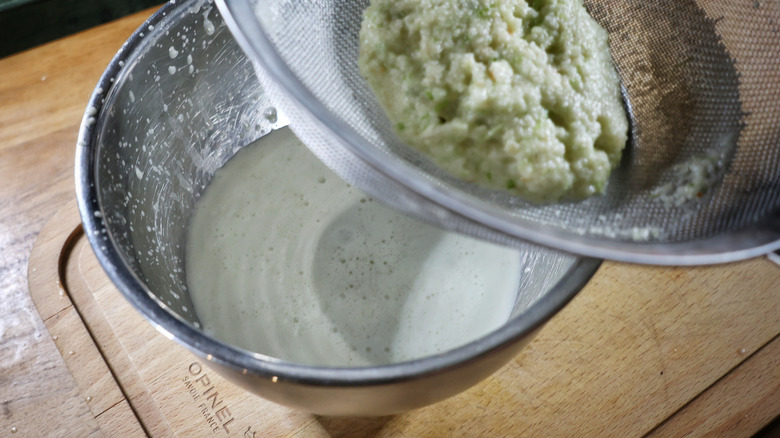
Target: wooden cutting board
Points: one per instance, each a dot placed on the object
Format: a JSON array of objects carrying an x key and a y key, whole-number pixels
[{"x": 641, "y": 350}]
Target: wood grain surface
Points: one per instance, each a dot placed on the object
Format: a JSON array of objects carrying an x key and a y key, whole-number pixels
[
  {"x": 667, "y": 351},
  {"x": 641, "y": 351},
  {"x": 43, "y": 95}
]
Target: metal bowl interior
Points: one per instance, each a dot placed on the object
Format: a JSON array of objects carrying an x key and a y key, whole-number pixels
[{"x": 177, "y": 102}]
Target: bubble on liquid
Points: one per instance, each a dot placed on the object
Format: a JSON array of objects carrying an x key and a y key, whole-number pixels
[
  {"x": 271, "y": 115},
  {"x": 339, "y": 260}
]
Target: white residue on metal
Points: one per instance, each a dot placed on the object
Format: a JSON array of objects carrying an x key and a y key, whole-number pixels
[
  {"x": 139, "y": 173},
  {"x": 696, "y": 176},
  {"x": 208, "y": 25},
  {"x": 171, "y": 69},
  {"x": 637, "y": 234},
  {"x": 692, "y": 179},
  {"x": 132, "y": 96},
  {"x": 172, "y": 52}
]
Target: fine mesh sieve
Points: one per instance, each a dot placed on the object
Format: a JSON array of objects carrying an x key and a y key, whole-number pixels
[{"x": 700, "y": 85}]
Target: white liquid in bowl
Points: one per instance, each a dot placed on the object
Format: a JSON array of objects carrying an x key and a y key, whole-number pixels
[{"x": 285, "y": 259}]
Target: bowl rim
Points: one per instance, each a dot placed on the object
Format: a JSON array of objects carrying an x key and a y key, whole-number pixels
[
  {"x": 213, "y": 350},
  {"x": 760, "y": 238}
]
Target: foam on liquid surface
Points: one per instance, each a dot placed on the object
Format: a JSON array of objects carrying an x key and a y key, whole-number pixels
[{"x": 285, "y": 259}]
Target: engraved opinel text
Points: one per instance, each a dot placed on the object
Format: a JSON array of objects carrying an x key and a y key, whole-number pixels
[{"x": 213, "y": 408}]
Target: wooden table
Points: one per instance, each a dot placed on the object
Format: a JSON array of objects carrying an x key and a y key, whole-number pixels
[
  {"x": 43, "y": 95},
  {"x": 706, "y": 341}
]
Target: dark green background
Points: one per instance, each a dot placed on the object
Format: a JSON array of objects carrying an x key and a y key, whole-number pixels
[{"x": 28, "y": 23}]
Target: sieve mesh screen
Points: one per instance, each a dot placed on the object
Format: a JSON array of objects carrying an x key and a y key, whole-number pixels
[{"x": 700, "y": 85}]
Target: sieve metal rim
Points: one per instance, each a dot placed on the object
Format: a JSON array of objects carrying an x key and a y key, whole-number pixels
[{"x": 761, "y": 239}]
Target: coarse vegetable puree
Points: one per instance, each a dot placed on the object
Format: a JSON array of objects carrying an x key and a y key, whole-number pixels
[
  {"x": 510, "y": 94},
  {"x": 285, "y": 259}
]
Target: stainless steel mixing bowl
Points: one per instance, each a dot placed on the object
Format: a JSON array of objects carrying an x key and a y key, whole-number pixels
[{"x": 177, "y": 101}]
